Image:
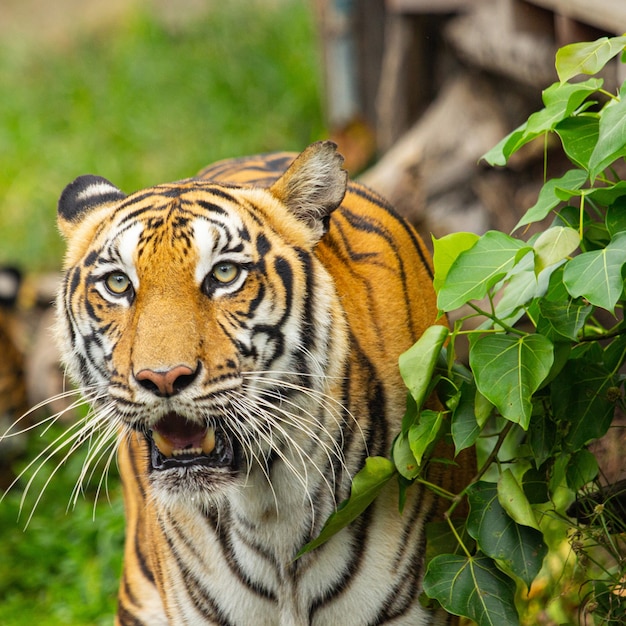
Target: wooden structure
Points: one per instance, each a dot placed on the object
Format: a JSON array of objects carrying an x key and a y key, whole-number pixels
[
  {"x": 386, "y": 59},
  {"x": 427, "y": 86}
]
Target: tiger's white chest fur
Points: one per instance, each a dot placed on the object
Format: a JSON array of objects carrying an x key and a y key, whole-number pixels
[{"x": 245, "y": 553}]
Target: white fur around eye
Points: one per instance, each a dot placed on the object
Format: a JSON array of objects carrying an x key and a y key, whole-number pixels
[
  {"x": 127, "y": 248},
  {"x": 215, "y": 263}
]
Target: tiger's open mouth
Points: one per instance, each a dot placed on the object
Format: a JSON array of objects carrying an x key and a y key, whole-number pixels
[{"x": 177, "y": 442}]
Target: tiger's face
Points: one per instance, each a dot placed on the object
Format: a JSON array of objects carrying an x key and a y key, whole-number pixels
[{"x": 192, "y": 311}]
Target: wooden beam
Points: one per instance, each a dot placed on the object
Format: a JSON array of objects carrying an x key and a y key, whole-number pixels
[
  {"x": 429, "y": 6},
  {"x": 609, "y": 15}
]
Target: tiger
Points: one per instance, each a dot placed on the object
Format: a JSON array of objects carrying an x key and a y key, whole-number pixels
[
  {"x": 13, "y": 389},
  {"x": 239, "y": 331}
]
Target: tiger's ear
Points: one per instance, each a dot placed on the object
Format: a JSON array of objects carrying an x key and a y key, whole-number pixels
[
  {"x": 81, "y": 197},
  {"x": 313, "y": 186}
]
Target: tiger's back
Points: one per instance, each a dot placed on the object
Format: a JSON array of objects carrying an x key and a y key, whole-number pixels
[{"x": 248, "y": 324}]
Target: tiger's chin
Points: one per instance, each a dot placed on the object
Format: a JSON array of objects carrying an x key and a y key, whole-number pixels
[{"x": 191, "y": 462}]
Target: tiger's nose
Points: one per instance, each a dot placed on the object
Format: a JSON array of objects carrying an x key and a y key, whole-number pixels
[{"x": 166, "y": 383}]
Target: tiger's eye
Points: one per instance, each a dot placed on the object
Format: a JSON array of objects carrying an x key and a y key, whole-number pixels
[
  {"x": 117, "y": 283},
  {"x": 225, "y": 272}
]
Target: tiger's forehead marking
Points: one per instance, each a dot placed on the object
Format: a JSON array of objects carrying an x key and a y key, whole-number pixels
[
  {"x": 196, "y": 232},
  {"x": 127, "y": 244},
  {"x": 215, "y": 241}
]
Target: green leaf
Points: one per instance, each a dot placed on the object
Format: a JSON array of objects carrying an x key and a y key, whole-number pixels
[
  {"x": 513, "y": 500},
  {"x": 550, "y": 196},
  {"x": 440, "y": 539},
  {"x": 464, "y": 426},
  {"x": 403, "y": 457},
  {"x": 500, "y": 153},
  {"x": 446, "y": 250},
  {"x": 509, "y": 369},
  {"x": 562, "y": 320},
  {"x": 608, "y": 195},
  {"x": 418, "y": 362},
  {"x": 597, "y": 275},
  {"x": 522, "y": 287},
  {"x": 424, "y": 433},
  {"x": 535, "y": 485},
  {"x": 587, "y": 57},
  {"x": 554, "y": 245},
  {"x": 473, "y": 587},
  {"x": 581, "y": 469},
  {"x": 616, "y": 217},
  {"x": 557, "y": 472},
  {"x": 366, "y": 485},
  {"x": 579, "y": 136},
  {"x": 615, "y": 353},
  {"x": 561, "y": 100},
  {"x": 476, "y": 270},
  {"x": 542, "y": 437},
  {"x": 612, "y": 137},
  {"x": 519, "y": 548},
  {"x": 483, "y": 409},
  {"x": 581, "y": 402}
]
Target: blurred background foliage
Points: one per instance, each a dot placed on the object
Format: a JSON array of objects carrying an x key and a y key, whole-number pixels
[
  {"x": 147, "y": 100},
  {"x": 141, "y": 99}
]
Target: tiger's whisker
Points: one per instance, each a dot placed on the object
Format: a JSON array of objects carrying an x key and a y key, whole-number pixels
[
  {"x": 107, "y": 432},
  {"x": 61, "y": 442},
  {"x": 52, "y": 418}
]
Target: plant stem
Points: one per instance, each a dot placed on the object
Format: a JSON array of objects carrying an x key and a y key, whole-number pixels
[
  {"x": 481, "y": 472},
  {"x": 495, "y": 320}
]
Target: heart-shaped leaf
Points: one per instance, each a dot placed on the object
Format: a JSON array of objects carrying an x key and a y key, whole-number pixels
[
  {"x": 597, "y": 275},
  {"x": 579, "y": 136},
  {"x": 611, "y": 142},
  {"x": 519, "y": 548},
  {"x": 509, "y": 369},
  {"x": 476, "y": 270},
  {"x": 474, "y": 587},
  {"x": 587, "y": 57}
]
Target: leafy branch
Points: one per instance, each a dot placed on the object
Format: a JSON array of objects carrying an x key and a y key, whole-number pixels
[{"x": 534, "y": 397}]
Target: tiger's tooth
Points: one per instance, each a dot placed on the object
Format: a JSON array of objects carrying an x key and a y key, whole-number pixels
[
  {"x": 208, "y": 443},
  {"x": 163, "y": 444},
  {"x": 187, "y": 452}
]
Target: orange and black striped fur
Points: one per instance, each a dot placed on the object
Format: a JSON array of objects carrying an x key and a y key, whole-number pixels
[
  {"x": 241, "y": 331},
  {"x": 13, "y": 391}
]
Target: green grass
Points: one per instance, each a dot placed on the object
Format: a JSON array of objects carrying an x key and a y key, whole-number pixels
[
  {"x": 64, "y": 567},
  {"x": 140, "y": 104}
]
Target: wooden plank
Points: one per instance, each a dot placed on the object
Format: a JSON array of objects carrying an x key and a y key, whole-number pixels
[
  {"x": 608, "y": 15},
  {"x": 429, "y": 6}
]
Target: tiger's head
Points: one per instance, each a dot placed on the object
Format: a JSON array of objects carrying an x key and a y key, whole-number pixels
[{"x": 195, "y": 317}]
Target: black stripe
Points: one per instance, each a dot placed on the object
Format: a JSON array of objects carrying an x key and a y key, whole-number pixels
[
  {"x": 274, "y": 332},
  {"x": 126, "y": 618},
  {"x": 221, "y": 193},
  {"x": 212, "y": 207},
  {"x": 196, "y": 592},
  {"x": 370, "y": 196},
  {"x": 357, "y": 222},
  {"x": 359, "y": 536}
]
